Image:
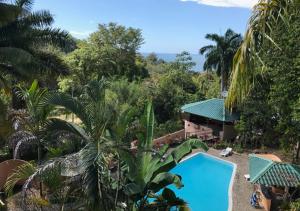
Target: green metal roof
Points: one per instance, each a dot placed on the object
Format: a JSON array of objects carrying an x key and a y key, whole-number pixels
[
  {"x": 270, "y": 173},
  {"x": 212, "y": 109}
]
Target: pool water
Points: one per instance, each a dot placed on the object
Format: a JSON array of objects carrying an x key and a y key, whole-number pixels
[{"x": 206, "y": 182}]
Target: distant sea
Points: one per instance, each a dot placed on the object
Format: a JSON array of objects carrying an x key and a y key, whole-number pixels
[{"x": 169, "y": 57}]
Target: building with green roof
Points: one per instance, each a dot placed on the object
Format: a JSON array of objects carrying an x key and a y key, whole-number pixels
[
  {"x": 210, "y": 115},
  {"x": 211, "y": 109},
  {"x": 271, "y": 173}
]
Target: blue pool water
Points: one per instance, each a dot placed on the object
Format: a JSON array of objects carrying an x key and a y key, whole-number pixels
[{"x": 206, "y": 182}]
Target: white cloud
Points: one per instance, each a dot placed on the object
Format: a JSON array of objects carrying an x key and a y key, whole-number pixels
[
  {"x": 80, "y": 34},
  {"x": 226, "y": 3}
]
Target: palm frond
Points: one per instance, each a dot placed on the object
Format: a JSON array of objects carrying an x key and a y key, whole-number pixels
[
  {"x": 229, "y": 33},
  {"x": 23, "y": 172},
  {"x": 4, "y": 83},
  {"x": 15, "y": 60},
  {"x": 35, "y": 98},
  {"x": 266, "y": 15},
  {"x": 17, "y": 139},
  {"x": 71, "y": 104},
  {"x": 49, "y": 63},
  {"x": 39, "y": 171},
  {"x": 24, "y": 4},
  {"x": 37, "y": 19},
  {"x": 205, "y": 49},
  {"x": 58, "y": 125},
  {"x": 214, "y": 37},
  {"x": 52, "y": 36},
  {"x": 22, "y": 34},
  {"x": 96, "y": 90},
  {"x": 8, "y": 13}
]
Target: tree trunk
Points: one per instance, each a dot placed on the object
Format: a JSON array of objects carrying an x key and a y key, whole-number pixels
[
  {"x": 39, "y": 163},
  {"x": 118, "y": 184},
  {"x": 72, "y": 97},
  {"x": 296, "y": 158},
  {"x": 222, "y": 79}
]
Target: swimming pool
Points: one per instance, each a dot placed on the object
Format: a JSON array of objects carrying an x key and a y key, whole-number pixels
[{"x": 207, "y": 182}]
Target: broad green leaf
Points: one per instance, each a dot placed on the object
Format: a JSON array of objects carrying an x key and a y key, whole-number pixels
[
  {"x": 187, "y": 147},
  {"x": 133, "y": 189},
  {"x": 164, "y": 179},
  {"x": 150, "y": 126}
]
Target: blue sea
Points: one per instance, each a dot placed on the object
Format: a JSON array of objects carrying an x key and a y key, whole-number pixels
[{"x": 169, "y": 57}]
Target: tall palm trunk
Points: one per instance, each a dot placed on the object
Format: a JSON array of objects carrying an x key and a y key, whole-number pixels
[
  {"x": 102, "y": 202},
  {"x": 222, "y": 90},
  {"x": 222, "y": 79},
  {"x": 222, "y": 83},
  {"x": 40, "y": 160}
]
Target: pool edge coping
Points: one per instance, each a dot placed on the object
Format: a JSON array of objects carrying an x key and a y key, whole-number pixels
[{"x": 230, "y": 189}]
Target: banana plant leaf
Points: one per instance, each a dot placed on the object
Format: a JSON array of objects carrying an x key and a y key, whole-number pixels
[{"x": 148, "y": 170}]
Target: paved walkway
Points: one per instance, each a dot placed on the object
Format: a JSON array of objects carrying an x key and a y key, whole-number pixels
[{"x": 242, "y": 189}]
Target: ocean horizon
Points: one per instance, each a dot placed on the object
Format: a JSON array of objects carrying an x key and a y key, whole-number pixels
[{"x": 169, "y": 57}]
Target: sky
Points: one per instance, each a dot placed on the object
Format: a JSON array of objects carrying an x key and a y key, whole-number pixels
[{"x": 168, "y": 26}]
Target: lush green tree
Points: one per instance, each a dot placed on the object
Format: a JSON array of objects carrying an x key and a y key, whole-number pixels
[
  {"x": 110, "y": 51},
  {"x": 257, "y": 125},
  {"x": 271, "y": 104},
  {"x": 219, "y": 56},
  {"x": 208, "y": 85},
  {"x": 25, "y": 47},
  {"x": 124, "y": 95},
  {"x": 267, "y": 16},
  {"x": 173, "y": 90},
  {"x": 183, "y": 62},
  {"x": 282, "y": 66},
  {"x": 24, "y": 35},
  {"x": 153, "y": 59}
]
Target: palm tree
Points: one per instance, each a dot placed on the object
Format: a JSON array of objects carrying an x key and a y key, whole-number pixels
[
  {"x": 266, "y": 15},
  {"x": 25, "y": 35},
  {"x": 29, "y": 124},
  {"x": 99, "y": 120},
  {"x": 219, "y": 56}
]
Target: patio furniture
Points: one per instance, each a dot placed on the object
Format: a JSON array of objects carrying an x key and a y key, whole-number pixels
[
  {"x": 226, "y": 152},
  {"x": 247, "y": 177}
]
